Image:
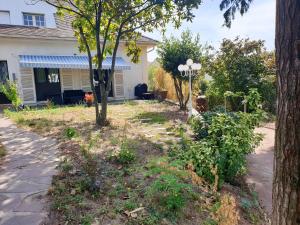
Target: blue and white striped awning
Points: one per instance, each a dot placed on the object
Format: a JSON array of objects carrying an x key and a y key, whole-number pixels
[{"x": 70, "y": 62}]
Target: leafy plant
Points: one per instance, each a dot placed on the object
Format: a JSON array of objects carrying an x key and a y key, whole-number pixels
[
  {"x": 10, "y": 90},
  {"x": 70, "y": 132},
  {"x": 239, "y": 65},
  {"x": 127, "y": 153},
  {"x": 224, "y": 142}
]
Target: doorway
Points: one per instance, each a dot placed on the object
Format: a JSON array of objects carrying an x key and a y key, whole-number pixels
[{"x": 47, "y": 85}]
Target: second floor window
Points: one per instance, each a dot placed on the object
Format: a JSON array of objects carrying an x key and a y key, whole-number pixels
[{"x": 34, "y": 20}]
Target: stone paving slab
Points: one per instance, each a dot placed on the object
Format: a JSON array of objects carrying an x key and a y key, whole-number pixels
[{"x": 25, "y": 175}]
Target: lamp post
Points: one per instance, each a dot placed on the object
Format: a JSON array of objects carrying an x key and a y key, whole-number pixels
[{"x": 190, "y": 69}]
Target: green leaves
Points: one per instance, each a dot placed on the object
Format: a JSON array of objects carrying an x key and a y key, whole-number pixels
[
  {"x": 173, "y": 52},
  {"x": 239, "y": 65},
  {"x": 10, "y": 90},
  {"x": 231, "y": 7},
  {"x": 224, "y": 140}
]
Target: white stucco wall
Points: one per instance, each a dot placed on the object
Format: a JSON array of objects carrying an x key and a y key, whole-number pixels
[
  {"x": 11, "y": 48},
  {"x": 16, "y": 9}
]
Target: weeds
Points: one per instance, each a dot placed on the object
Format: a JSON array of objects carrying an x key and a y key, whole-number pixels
[
  {"x": 127, "y": 152},
  {"x": 65, "y": 165},
  {"x": 227, "y": 213},
  {"x": 169, "y": 194},
  {"x": 2, "y": 151},
  {"x": 70, "y": 133}
]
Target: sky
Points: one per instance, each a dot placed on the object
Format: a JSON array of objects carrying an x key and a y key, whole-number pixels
[{"x": 257, "y": 23}]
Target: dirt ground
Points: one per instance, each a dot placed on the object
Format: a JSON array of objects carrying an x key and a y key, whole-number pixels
[{"x": 260, "y": 166}]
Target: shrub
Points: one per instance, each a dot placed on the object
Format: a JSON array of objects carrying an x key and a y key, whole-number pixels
[
  {"x": 203, "y": 86},
  {"x": 10, "y": 90},
  {"x": 169, "y": 194},
  {"x": 70, "y": 132},
  {"x": 127, "y": 153},
  {"x": 227, "y": 213},
  {"x": 220, "y": 153},
  {"x": 200, "y": 125}
]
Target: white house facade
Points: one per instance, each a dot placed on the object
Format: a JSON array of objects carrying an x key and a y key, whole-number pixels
[{"x": 38, "y": 50}]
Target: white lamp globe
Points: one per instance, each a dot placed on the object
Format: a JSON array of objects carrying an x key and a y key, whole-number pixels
[
  {"x": 194, "y": 67},
  {"x": 185, "y": 68},
  {"x": 198, "y": 66},
  {"x": 189, "y": 62},
  {"x": 180, "y": 68}
]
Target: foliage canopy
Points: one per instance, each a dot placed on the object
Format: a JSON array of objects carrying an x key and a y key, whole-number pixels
[{"x": 239, "y": 65}]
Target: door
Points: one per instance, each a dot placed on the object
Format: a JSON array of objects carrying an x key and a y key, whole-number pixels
[
  {"x": 3, "y": 79},
  {"x": 47, "y": 85}
]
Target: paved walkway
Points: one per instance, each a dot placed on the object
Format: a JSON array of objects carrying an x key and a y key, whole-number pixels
[
  {"x": 25, "y": 175},
  {"x": 260, "y": 166}
]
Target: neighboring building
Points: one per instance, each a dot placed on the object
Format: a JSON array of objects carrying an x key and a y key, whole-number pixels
[{"x": 38, "y": 50}]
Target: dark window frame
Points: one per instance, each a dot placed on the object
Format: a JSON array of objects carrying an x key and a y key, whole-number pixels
[
  {"x": 7, "y": 72},
  {"x": 46, "y": 72}
]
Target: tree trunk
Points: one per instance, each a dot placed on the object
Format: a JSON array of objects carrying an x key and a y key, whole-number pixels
[
  {"x": 91, "y": 72},
  {"x": 179, "y": 93},
  {"x": 286, "y": 185},
  {"x": 102, "y": 120}
]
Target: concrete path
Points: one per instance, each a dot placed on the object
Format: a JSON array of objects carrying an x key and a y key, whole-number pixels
[
  {"x": 25, "y": 175},
  {"x": 260, "y": 167}
]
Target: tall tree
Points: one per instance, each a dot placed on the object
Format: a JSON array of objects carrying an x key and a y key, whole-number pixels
[
  {"x": 175, "y": 51},
  {"x": 101, "y": 25},
  {"x": 286, "y": 185}
]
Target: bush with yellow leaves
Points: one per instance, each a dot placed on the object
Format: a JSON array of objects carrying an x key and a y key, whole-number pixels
[{"x": 227, "y": 213}]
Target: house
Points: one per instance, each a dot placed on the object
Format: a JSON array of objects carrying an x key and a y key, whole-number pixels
[{"x": 38, "y": 50}]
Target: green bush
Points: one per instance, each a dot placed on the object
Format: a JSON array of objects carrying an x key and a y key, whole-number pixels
[
  {"x": 201, "y": 125},
  {"x": 127, "y": 153},
  {"x": 70, "y": 132},
  {"x": 169, "y": 194},
  {"x": 224, "y": 142},
  {"x": 10, "y": 90}
]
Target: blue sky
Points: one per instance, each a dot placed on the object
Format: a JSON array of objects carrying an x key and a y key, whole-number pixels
[{"x": 258, "y": 23}]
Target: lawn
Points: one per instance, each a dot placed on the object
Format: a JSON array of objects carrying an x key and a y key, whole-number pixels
[{"x": 122, "y": 174}]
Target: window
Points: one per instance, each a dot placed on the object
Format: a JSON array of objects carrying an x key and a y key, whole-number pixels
[
  {"x": 4, "y": 17},
  {"x": 41, "y": 76},
  {"x": 3, "y": 72},
  {"x": 34, "y": 20},
  {"x": 53, "y": 76},
  {"x": 44, "y": 75},
  {"x": 40, "y": 20}
]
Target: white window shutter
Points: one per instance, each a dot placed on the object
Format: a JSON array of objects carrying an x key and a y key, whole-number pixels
[
  {"x": 119, "y": 84},
  {"x": 85, "y": 80},
  {"x": 27, "y": 85},
  {"x": 66, "y": 79}
]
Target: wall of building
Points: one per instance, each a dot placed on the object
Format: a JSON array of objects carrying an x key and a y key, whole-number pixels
[
  {"x": 16, "y": 9},
  {"x": 11, "y": 48}
]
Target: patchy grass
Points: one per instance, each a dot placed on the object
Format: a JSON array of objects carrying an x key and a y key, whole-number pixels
[
  {"x": 152, "y": 117},
  {"x": 122, "y": 174}
]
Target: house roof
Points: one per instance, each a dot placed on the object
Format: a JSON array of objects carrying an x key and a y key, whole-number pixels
[{"x": 62, "y": 32}]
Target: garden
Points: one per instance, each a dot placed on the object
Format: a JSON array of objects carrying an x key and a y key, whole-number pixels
[{"x": 151, "y": 165}]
